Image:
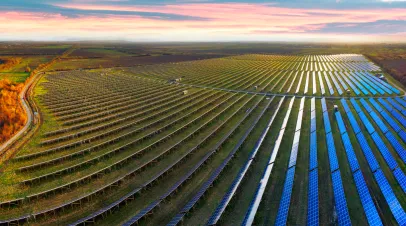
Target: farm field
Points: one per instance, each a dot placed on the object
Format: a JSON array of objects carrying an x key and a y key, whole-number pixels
[{"x": 234, "y": 140}]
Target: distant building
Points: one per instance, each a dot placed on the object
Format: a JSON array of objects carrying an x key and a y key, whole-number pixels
[{"x": 184, "y": 92}]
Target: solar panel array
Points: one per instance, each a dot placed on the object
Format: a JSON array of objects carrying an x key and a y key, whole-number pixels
[
  {"x": 363, "y": 192},
  {"x": 221, "y": 207},
  {"x": 390, "y": 197},
  {"x": 339, "y": 196},
  {"x": 252, "y": 210}
]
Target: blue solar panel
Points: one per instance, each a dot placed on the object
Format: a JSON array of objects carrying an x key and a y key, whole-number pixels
[
  {"x": 402, "y": 135},
  {"x": 379, "y": 122},
  {"x": 332, "y": 156},
  {"x": 391, "y": 122},
  {"x": 355, "y": 105},
  {"x": 323, "y": 104},
  {"x": 340, "y": 201},
  {"x": 384, "y": 151},
  {"x": 385, "y": 104},
  {"x": 366, "y": 105},
  {"x": 390, "y": 198},
  {"x": 395, "y": 105},
  {"x": 313, "y": 199},
  {"x": 312, "y": 121},
  {"x": 327, "y": 126},
  {"x": 340, "y": 123},
  {"x": 352, "y": 158},
  {"x": 354, "y": 123},
  {"x": 399, "y": 117},
  {"x": 313, "y": 151},
  {"x": 397, "y": 146},
  {"x": 401, "y": 101},
  {"x": 366, "y": 200},
  {"x": 375, "y": 104},
  {"x": 366, "y": 122},
  {"x": 284, "y": 204},
  {"x": 366, "y": 149},
  {"x": 345, "y": 105},
  {"x": 401, "y": 178}
]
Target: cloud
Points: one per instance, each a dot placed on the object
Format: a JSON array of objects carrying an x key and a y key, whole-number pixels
[{"x": 199, "y": 21}]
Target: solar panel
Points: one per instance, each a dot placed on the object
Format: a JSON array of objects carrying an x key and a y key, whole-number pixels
[
  {"x": 313, "y": 199},
  {"x": 355, "y": 105},
  {"x": 312, "y": 121},
  {"x": 345, "y": 105},
  {"x": 390, "y": 198},
  {"x": 366, "y": 149},
  {"x": 327, "y": 126},
  {"x": 385, "y": 104},
  {"x": 391, "y": 122},
  {"x": 284, "y": 204},
  {"x": 402, "y": 135},
  {"x": 340, "y": 123},
  {"x": 354, "y": 123},
  {"x": 366, "y": 200},
  {"x": 401, "y": 178},
  {"x": 339, "y": 198},
  {"x": 399, "y": 118},
  {"x": 401, "y": 101},
  {"x": 332, "y": 156},
  {"x": 313, "y": 151},
  {"x": 295, "y": 148},
  {"x": 366, "y": 122},
  {"x": 397, "y": 146},
  {"x": 379, "y": 122},
  {"x": 366, "y": 105},
  {"x": 352, "y": 158},
  {"x": 384, "y": 151},
  {"x": 323, "y": 104},
  {"x": 394, "y": 104},
  {"x": 375, "y": 104},
  {"x": 313, "y": 104}
]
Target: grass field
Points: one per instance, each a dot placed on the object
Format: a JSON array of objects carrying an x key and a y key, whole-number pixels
[{"x": 153, "y": 144}]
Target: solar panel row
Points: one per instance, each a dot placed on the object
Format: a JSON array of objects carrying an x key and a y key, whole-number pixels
[
  {"x": 352, "y": 158},
  {"x": 327, "y": 127},
  {"x": 339, "y": 90},
  {"x": 284, "y": 204},
  {"x": 366, "y": 200},
  {"x": 323, "y": 104},
  {"x": 395, "y": 105},
  {"x": 396, "y": 145},
  {"x": 370, "y": 128},
  {"x": 313, "y": 151},
  {"x": 385, "y": 84},
  {"x": 375, "y": 104},
  {"x": 313, "y": 199},
  {"x": 381, "y": 125},
  {"x": 313, "y": 190},
  {"x": 401, "y": 101},
  {"x": 340, "y": 122},
  {"x": 345, "y": 105},
  {"x": 366, "y": 149},
  {"x": 390, "y": 198},
  {"x": 330, "y": 87},
  {"x": 384, "y": 151},
  {"x": 339, "y": 198},
  {"x": 331, "y": 152},
  {"x": 401, "y": 178},
  {"x": 353, "y": 122},
  {"x": 371, "y": 83},
  {"x": 323, "y": 91},
  {"x": 366, "y": 105},
  {"x": 355, "y": 105}
]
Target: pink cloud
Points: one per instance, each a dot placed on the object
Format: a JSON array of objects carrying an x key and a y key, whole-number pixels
[{"x": 224, "y": 21}]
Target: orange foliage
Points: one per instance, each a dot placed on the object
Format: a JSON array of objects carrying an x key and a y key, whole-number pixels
[
  {"x": 12, "y": 115},
  {"x": 10, "y": 63}
]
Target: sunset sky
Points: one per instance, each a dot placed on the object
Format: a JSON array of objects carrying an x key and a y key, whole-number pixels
[{"x": 204, "y": 20}]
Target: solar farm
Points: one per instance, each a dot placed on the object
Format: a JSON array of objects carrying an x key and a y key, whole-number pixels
[{"x": 243, "y": 140}]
